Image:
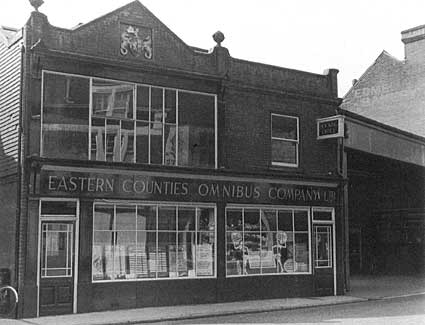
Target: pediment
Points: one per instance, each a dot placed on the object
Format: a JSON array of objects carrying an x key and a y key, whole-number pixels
[{"x": 130, "y": 33}]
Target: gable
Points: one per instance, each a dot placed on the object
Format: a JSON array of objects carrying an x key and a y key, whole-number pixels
[
  {"x": 129, "y": 34},
  {"x": 391, "y": 92}
]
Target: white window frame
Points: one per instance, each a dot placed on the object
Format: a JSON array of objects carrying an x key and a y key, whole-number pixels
[
  {"x": 66, "y": 218},
  {"x": 134, "y": 119},
  {"x": 296, "y": 141},
  {"x": 277, "y": 208},
  {"x": 332, "y": 224},
  {"x": 162, "y": 204}
]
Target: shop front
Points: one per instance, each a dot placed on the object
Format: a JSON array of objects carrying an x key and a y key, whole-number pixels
[{"x": 111, "y": 239}]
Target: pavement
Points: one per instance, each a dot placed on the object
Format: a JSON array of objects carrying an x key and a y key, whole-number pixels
[{"x": 362, "y": 289}]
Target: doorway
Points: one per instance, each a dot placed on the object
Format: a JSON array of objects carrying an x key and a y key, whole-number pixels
[
  {"x": 57, "y": 259},
  {"x": 324, "y": 252}
]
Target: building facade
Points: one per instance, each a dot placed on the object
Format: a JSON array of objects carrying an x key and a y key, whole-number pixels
[{"x": 152, "y": 173}]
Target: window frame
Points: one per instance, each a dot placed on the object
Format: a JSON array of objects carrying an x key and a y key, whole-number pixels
[
  {"x": 296, "y": 141},
  {"x": 159, "y": 204},
  {"x": 134, "y": 119},
  {"x": 276, "y": 208}
]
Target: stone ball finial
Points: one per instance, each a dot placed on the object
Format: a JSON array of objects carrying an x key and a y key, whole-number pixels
[
  {"x": 218, "y": 37},
  {"x": 36, "y": 4}
]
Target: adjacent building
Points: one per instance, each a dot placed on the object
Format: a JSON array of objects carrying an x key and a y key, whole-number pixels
[
  {"x": 385, "y": 147},
  {"x": 140, "y": 171}
]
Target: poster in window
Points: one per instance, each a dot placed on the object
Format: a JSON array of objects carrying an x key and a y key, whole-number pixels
[
  {"x": 98, "y": 262},
  {"x": 204, "y": 259}
]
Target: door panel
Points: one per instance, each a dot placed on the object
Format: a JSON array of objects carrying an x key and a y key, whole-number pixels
[
  {"x": 56, "y": 268},
  {"x": 323, "y": 259}
]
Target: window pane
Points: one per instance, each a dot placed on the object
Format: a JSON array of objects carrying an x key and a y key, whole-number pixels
[
  {"x": 268, "y": 220},
  {"x": 284, "y": 127},
  {"x": 167, "y": 218},
  {"x": 126, "y": 218},
  {"x": 98, "y": 139},
  {"x": 285, "y": 220},
  {"x": 186, "y": 254},
  {"x": 252, "y": 260},
  {"x": 288, "y": 253},
  {"x": 196, "y": 130},
  {"x": 146, "y": 217},
  {"x": 142, "y": 142},
  {"x": 301, "y": 220},
  {"x": 268, "y": 253},
  {"x": 234, "y": 219},
  {"x": 112, "y": 99},
  {"x": 156, "y": 130},
  {"x": 65, "y": 116},
  {"x": 206, "y": 219},
  {"x": 156, "y": 105},
  {"x": 125, "y": 240},
  {"x": 251, "y": 220},
  {"x": 170, "y": 106},
  {"x": 138, "y": 256},
  {"x": 301, "y": 252},
  {"x": 103, "y": 217},
  {"x": 57, "y": 246},
  {"x": 322, "y": 215},
  {"x": 284, "y": 151},
  {"x": 205, "y": 253},
  {"x": 127, "y": 141},
  {"x": 234, "y": 253},
  {"x": 142, "y": 107},
  {"x": 58, "y": 208},
  {"x": 102, "y": 267},
  {"x": 187, "y": 218},
  {"x": 112, "y": 142},
  {"x": 170, "y": 144},
  {"x": 323, "y": 246},
  {"x": 167, "y": 256}
]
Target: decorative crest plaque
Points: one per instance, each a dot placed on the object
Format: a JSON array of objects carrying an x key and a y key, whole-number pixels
[{"x": 136, "y": 41}]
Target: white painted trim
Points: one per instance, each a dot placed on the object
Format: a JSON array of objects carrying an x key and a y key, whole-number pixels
[
  {"x": 274, "y": 207},
  {"x": 162, "y": 204},
  {"x": 41, "y": 114},
  {"x": 332, "y": 223},
  {"x": 296, "y": 141},
  {"x": 64, "y": 218},
  {"x": 216, "y": 131}
]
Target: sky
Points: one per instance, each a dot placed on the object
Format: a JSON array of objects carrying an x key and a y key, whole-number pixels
[{"x": 308, "y": 35}]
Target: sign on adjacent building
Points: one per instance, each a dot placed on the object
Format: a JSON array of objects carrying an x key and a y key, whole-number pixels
[{"x": 330, "y": 127}]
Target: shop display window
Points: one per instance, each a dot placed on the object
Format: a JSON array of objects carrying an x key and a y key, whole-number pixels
[
  {"x": 267, "y": 241},
  {"x": 284, "y": 140},
  {"x": 105, "y": 120},
  {"x": 153, "y": 241}
]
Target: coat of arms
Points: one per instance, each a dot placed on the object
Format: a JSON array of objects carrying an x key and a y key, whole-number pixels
[{"x": 136, "y": 41}]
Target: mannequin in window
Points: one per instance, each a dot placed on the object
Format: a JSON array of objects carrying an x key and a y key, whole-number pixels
[{"x": 280, "y": 251}]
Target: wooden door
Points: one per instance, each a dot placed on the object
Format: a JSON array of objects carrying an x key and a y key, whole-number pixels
[
  {"x": 56, "y": 293},
  {"x": 324, "y": 259}
]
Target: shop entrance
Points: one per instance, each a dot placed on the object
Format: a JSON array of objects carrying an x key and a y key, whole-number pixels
[
  {"x": 324, "y": 252},
  {"x": 57, "y": 257},
  {"x": 56, "y": 268}
]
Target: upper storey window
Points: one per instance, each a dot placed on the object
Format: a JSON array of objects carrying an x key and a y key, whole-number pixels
[
  {"x": 284, "y": 140},
  {"x": 105, "y": 120}
]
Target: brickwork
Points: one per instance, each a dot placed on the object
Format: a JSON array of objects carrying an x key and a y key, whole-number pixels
[{"x": 391, "y": 92}]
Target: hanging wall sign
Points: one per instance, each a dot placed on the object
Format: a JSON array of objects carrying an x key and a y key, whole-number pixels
[{"x": 330, "y": 127}]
